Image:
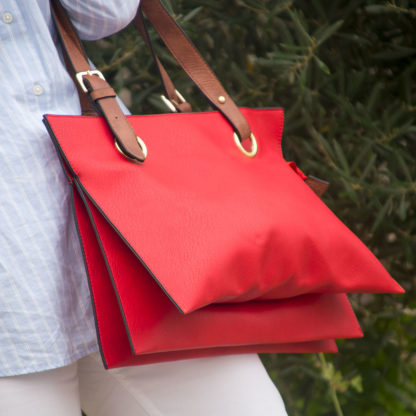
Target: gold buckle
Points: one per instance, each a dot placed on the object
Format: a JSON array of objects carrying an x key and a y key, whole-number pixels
[
  {"x": 79, "y": 76},
  {"x": 169, "y": 104}
]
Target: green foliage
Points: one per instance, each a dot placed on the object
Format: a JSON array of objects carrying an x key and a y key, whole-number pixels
[{"x": 345, "y": 73}]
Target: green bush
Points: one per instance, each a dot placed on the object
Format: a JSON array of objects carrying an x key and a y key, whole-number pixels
[{"x": 345, "y": 73}]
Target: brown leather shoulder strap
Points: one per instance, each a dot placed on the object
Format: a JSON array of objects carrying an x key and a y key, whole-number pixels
[
  {"x": 94, "y": 86},
  {"x": 67, "y": 36},
  {"x": 174, "y": 98},
  {"x": 194, "y": 65}
]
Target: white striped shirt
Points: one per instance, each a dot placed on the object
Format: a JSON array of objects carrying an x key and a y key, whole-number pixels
[{"x": 46, "y": 318}]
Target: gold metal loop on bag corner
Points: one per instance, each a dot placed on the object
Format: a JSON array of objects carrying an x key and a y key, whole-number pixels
[
  {"x": 254, "y": 147},
  {"x": 142, "y": 145}
]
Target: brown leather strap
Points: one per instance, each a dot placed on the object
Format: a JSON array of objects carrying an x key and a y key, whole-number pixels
[
  {"x": 194, "y": 65},
  {"x": 106, "y": 103},
  {"x": 168, "y": 86},
  {"x": 86, "y": 107},
  {"x": 68, "y": 36},
  {"x": 102, "y": 93}
]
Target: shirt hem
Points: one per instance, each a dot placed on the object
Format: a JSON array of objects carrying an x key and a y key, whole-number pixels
[{"x": 40, "y": 368}]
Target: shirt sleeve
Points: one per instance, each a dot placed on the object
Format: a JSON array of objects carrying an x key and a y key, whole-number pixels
[{"x": 96, "y": 19}]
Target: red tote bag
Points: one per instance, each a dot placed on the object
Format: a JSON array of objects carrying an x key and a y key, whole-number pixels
[{"x": 196, "y": 241}]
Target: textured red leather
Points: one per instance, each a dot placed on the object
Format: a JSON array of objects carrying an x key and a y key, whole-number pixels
[
  {"x": 210, "y": 224},
  {"x": 140, "y": 325}
]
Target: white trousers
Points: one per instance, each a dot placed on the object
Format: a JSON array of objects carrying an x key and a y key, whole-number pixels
[{"x": 235, "y": 385}]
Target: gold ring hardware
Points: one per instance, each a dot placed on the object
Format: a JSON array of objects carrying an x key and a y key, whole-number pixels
[
  {"x": 254, "y": 147},
  {"x": 142, "y": 145}
]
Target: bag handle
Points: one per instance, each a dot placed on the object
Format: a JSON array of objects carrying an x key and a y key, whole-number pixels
[
  {"x": 173, "y": 99},
  {"x": 193, "y": 64},
  {"x": 94, "y": 86},
  {"x": 93, "y": 83}
]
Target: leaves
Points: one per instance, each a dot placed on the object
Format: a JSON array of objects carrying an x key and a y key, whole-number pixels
[{"x": 325, "y": 32}]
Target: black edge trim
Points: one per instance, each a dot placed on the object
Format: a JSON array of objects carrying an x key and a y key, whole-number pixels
[
  {"x": 82, "y": 196},
  {"x": 89, "y": 283}
]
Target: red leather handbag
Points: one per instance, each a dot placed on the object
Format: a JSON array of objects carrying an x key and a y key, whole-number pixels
[{"x": 198, "y": 237}]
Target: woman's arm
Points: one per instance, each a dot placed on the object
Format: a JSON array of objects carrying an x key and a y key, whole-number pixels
[{"x": 95, "y": 19}]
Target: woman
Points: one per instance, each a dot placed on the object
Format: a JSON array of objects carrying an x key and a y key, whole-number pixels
[{"x": 49, "y": 363}]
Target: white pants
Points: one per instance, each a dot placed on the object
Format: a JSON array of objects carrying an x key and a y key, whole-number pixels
[{"x": 216, "y": 386}]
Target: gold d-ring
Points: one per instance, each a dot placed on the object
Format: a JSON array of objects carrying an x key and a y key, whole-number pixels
[
  {"x": 142, "y": 145},
  {"x": 254, "y": 147}
]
